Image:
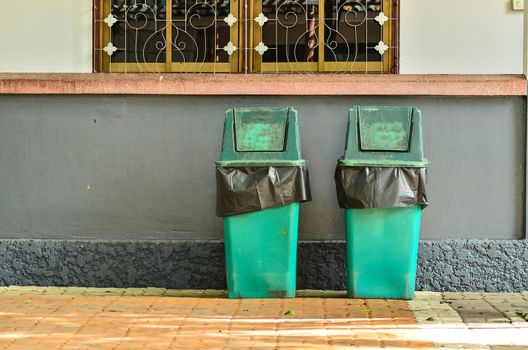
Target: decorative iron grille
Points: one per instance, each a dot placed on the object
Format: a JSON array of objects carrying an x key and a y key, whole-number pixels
[{"x": 231, "y": 36}]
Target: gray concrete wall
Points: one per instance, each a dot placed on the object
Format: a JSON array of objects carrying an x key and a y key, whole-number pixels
[{"x": 141, "y": 167}]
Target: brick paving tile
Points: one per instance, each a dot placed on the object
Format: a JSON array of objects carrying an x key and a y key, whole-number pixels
[
  {"x": 474, "y": 320},
  {"x": 134, "y": 292},
  {"x": 96, "y": 291},
  {"x": 154, "y": 291},
  {"x": 155, "y": 318}
]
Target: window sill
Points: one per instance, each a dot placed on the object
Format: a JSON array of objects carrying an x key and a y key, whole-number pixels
[{"x": 263, "y": 84}]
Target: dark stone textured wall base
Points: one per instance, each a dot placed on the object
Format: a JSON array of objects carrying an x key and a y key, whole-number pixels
[
  {"x": 450, "y": 265},
  {"x": 165, "y": 264},
  {"x": 473, "y": 265}
]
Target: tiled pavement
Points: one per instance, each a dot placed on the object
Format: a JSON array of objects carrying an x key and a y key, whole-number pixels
[
  {"x": 151, "y": 318},
  {"x": 473, "y": 320}
]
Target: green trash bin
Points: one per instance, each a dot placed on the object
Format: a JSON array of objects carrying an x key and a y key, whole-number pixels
[
  {"x": 381, "y": 184},
  {"x": 261, "y": 179}
]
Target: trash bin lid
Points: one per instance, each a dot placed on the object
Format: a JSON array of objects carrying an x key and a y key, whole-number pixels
[
  {"x": 384, "y": 131},
  {"x": 262, "y": 130},
  {"x": 384, "y": 137},
  {"x": 261, "y": 136}
]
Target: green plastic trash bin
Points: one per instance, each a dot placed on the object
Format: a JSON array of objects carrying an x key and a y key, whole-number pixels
[
  {"x": 261, "y": 179},
  {"x": 381, "y": 184}
]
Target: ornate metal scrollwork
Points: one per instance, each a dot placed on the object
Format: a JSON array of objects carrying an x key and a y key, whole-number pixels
[
  {"x": 200, "y": 32},
  {"x": 352, "y": 33},
  {"x": 295, "y": 35}
]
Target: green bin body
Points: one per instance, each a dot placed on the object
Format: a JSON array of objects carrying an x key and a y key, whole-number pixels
[
  {"x": 382, "y": 243},
  {"x": 382, "y": 249},
  {"x": 261, "y": 253},
  {"x": 261, "y": 246}
]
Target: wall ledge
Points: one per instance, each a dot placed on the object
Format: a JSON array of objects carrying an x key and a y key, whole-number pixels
[{"x": 262, "y": 84}]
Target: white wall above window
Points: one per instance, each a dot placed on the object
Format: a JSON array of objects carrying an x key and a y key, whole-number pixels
[
  {"x": 46, "y": 36},
  {"x": 460, "y": 37},
  {"x": 437, "y": 37}
]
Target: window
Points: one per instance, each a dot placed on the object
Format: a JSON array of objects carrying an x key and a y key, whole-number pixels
[{"x": 247, "y": 36}]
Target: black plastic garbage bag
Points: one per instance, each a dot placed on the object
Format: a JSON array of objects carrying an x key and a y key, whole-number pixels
[
  {"x": 252, "y": 188},
  {"x": 360, "y": 187}
]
